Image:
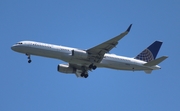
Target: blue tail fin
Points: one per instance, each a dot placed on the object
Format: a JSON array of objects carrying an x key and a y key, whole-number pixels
[{"x": 150, "y": 53}]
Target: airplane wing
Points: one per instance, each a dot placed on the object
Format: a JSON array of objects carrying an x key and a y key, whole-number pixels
[{"x": 97, "y": 53}]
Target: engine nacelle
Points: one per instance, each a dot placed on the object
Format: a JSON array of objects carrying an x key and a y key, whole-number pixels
[
  {"x": 79, "y": 54},
  {"x": 65, "y": 68}
]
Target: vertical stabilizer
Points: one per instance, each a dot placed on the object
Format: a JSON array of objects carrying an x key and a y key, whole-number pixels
[{"x": 150, "y": 53}]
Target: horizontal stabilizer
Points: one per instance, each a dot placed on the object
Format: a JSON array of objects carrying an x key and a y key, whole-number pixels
[{"x": 156, "y": 61}]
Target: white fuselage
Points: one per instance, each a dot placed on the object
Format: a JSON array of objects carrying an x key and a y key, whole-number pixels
[{"x": 65, "y": 53}]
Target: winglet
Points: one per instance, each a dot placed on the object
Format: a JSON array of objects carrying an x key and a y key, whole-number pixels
[{"x": 129, "y": 28}]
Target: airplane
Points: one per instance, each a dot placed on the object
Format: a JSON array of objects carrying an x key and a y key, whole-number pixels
[{"x": 80, "y": 62}]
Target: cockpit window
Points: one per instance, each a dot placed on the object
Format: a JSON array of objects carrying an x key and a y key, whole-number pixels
[{"x": 19, "y": 43}]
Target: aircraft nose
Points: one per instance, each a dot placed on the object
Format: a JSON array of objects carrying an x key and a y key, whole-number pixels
[{"x": 13, "y": 47}]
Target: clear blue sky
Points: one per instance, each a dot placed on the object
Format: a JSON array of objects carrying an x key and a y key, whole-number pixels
[{"x": 84, "y": 24}]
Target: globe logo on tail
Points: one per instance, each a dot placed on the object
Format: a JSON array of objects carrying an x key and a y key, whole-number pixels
[{"x": 146, "y": 55}]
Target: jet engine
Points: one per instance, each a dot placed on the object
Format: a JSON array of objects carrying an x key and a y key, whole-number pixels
[
  {"x": 79, "y": 54},
  {"x": 65, "y": 68}
]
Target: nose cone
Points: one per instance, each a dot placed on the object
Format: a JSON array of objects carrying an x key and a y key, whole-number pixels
[{"x": 13, "y": 48}]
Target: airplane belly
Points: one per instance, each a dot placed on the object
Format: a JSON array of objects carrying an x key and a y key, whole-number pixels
[
  {"x": 110, "y": 64},
  {"x": 83, "y": 62},
  {"x": 121, "y": 65}
]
